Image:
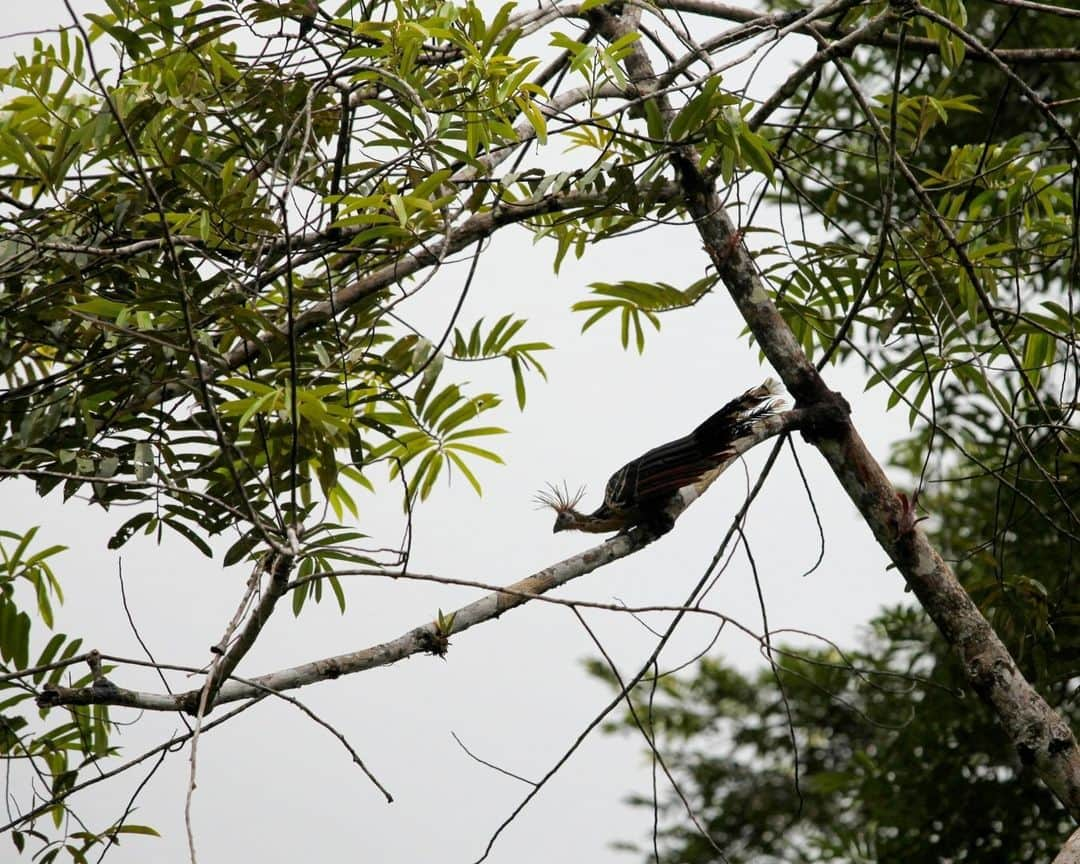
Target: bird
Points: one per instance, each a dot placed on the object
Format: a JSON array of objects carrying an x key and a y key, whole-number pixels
[{"x": 639, "y": 493}]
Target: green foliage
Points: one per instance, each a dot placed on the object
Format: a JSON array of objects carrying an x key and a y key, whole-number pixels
[
  {"x": 188, "y": 336},
  {"x": 211, "y": 255},
  {"x": 974, "y": 271},
  {"x": 952, "y": 48},
  {"x": 917, "y": 115},
  {"x": 496, "y": 343},
  {"x": 1010, "y": 532},
  {"x": 204, "y": 316},
  {"x": 77, "y": 739},
  {"x": 966, "y": 316},
  {"x": 960, "y": 300},
  {"x": 637, "y": 300},
  {"x": 34, "y": 570},
  {"x": 896, "y": 761},
  {"x": 597, "y": 64},
  {"x": 132, "y": 299}
]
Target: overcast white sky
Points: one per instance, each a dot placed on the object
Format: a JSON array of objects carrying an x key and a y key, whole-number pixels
[{"x": 275, "y": 787}]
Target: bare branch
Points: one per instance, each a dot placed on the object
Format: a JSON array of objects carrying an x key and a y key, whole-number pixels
[
  {"x": 428, "y": 638},
  {"x": 741, "y": 14}
]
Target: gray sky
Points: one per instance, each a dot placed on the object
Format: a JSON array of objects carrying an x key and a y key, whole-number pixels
[{"x": 275, "y": 787}]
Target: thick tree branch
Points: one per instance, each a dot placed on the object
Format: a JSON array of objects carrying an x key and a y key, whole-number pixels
[
  {"x": 1070, "y": 852},
  {"x": 1040, "y": 735}
]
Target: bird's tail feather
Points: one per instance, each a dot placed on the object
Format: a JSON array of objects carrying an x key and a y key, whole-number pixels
[{"x": 734, "y": 419}]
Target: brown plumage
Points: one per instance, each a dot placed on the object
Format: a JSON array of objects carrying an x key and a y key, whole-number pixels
[{"x": 639, "y": 493}]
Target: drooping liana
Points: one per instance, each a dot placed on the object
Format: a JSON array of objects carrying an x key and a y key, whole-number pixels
[{"x": 639, "y": 493}]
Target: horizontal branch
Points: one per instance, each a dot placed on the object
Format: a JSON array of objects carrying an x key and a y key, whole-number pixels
[{"x": 431, "y": 638}]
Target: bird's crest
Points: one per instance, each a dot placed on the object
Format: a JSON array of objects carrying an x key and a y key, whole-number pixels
[
  {"x": 771, "y": 387},
  {"x": 560, "y": 500},
  {"x": 768, "y": 391}
]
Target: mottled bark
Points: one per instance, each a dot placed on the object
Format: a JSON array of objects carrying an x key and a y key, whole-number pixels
[
  {"x": 1070, "y": 852},
  {"x": 1040, "y": 735}
]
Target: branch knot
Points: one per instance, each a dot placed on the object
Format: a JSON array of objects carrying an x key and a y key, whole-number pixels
[{"x": 829, "y": 417}]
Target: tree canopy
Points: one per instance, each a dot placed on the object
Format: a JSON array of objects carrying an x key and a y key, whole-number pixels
[
  {"x": 884, "y": 736},
  {"x": 841, "y": 754},
  {"x": 216, "y": 218}
]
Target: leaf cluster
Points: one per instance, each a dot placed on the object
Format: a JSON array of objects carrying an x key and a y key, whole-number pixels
[{"x": 895, "y": 762}]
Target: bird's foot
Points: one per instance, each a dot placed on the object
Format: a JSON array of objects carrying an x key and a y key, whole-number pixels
[{"x": 655, "y": 526}]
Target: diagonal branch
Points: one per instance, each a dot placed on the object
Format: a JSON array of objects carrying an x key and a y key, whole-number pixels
[
  {"x": 278, "y": 566},
  {"x": 1040, "y": 735},
  {"x": 431, "y": 638},
  {"x": 827, "y": 52},
  {"x": 478, "y": 227}
]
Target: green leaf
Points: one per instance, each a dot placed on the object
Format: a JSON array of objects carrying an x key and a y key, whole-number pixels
[
  {"x": 519, "y": 381},
  {"x": 476, "y": 451},
  {"x": 126, "y": 531},
  {"x": 447, "y": 397},
  {"x": 128, "y": 828},
  {"x": 134, "y": 44},
  {"x": 432, "y": 474},
  {"x": 187, "y": 532},
  {"x": 300, "y": 595},
  {"x": 339, "y": 593},
  {"x": 464, "y": 469},
  {"x": 242, "y": 547},
  {"x": 48, "y": 653}
]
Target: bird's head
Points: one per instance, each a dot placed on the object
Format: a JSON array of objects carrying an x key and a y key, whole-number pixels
[
  {"x": 564, "y": 503},
  {"x": 564, "y": 521}
]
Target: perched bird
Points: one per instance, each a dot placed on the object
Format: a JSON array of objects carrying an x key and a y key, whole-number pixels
[{"x": 638, "y": 494}]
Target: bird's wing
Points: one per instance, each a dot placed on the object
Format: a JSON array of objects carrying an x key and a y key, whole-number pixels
[
  {"x": 660, "y": 473},
  {"x": 664, "y": 470}
]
